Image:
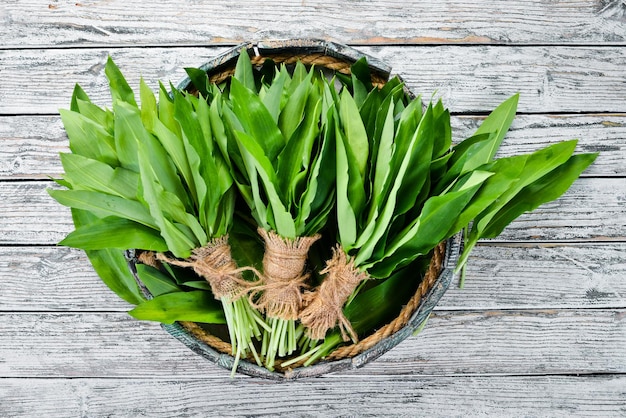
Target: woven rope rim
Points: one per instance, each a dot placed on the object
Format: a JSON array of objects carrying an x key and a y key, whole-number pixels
[{"x": 435, "y": 266}]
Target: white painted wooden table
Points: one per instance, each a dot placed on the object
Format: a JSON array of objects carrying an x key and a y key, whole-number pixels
[{"x": 540, "y": 329}]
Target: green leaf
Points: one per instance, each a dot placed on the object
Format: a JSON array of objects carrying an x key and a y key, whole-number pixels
[
  {"x": 129, "y": 131},
  {"x": 406, "y": 185},
  {"x": 78, "y": 94},
  {"x": 466, "y": 156},
  {"x": 284, "y": 223},
  {"x": 256, "y": 120},
  {"x": 420, "y": 155},
  {"x": 442, "y": 130},
  {"x": 114, "y": 232},
  {"x": 178, "y": 242},
  {"x": 166, "y": 110},
  {"x": 346, "y": 183},
  {"x": 318, "y": 197},
  {"x": 102, "y": 117},
  {"x": 149, "y": 107},
  {"x": 200, "y": 81},
  {"x": 243, "y": 71},
  {"x": 294, "y": 160},
  {"x": 274, "y": 96},
  {"x": 505, "y": 172},
  {"x": 546, "y": 189},
  {"x": 377, "y": 306},
  {"x": 198, "y": 284},
  {"x": 155, "y": 281},
  {"x": 246, "y": 247},
  {"x": 110, "y": 265},
  {"x": 360, "y": 71},
  {"x": 120, "y": 90},
  {"x": 498, "y": 122},
  {"x": 537, "y": 165},
  {"x": 87, "y": 174},
  {"x": 88, "y": 138},
  {"x": 292, "y": 114},
  {"x": 429, "y": 229},
  {"x": 356, "y": 140},
  {"x": 131, "y": 136},
  {"x": 383, "y": 157},
  {"x": 194, "y": 306},
  {"x": 103, "y": 205}
]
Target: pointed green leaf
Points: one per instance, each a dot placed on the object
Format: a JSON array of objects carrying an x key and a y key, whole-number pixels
[
  {"x": 156, "y": 282},
  {"x": 546, "y": 189},
  {"x": 354, "y": 130},
  {"x": 243, "y": 71},
  {"x": 78, "y": 94},
  {"x": 195, "y": 306},
  {"x": 256, "y": 120},
  {"x": 110, "y": 265},
  {"x": 284, "y": 223},
  {"x": 120, "y": 90},
  {"x": 200, "y": 80},
  {"x": 88, "y": 138},
  {"x": 498, "y": 122},
  {"x": 103, "y": 205},
  {"x": 87, "y": 174},
  {"x": 114, "y": 232}
]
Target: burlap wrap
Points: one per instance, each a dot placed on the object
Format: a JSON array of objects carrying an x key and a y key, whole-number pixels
[
  {"x": 283, "y": 278},
  {"x": 215, "y": 264},
  {"x": 324, "y": 307}
]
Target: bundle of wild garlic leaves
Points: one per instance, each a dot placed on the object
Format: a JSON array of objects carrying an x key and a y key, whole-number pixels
[{"x": 307, "y": 204}]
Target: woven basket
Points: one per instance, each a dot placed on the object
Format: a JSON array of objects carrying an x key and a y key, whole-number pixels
[{"x": 334, "y": 57}]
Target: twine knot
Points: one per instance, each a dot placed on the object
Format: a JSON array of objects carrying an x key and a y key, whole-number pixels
[
  {"x": 214, "y": 263},
  {"x": 283, "y": 278},
  {"x": 324, "y": 307}
]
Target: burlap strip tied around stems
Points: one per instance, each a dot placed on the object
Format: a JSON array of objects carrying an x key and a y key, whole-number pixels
[
  {"x": 324, "y": 307},
  {"x": 214, "y": 263},
  {"x": 283, "y": 278}
]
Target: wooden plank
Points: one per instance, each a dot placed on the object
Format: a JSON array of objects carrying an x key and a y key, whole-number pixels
[
  {"x": 561, "y": 276},
  {"x": 52, "y": 279},
  {"x": 554, "y": 396},
  {"x": 517, "y": 342},
  {"x": 31, "y": 144},
  {"x": 592, "y": 209},
  {"x": 28, "y": 215},
  {"x": 133, "y": 22},
  {"x": 560, "y": 396},
  {"x": 30, "y": 147},
  {"x": 469, "y": 79},
  {"x": 542, "y": 276}
]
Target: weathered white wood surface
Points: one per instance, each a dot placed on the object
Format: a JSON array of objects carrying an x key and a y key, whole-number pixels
[
  {"x": 468, "y": 78},
  {"x": 61, "y": 23},
  {"x": 540, "y": 328},
  {"x": 339, "y": 395},
  {"x": 511, "y": 342}
]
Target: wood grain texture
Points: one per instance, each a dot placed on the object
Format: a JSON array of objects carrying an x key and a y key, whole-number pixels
[
  {"x": 30, "y": 145},
  {"x": 469, "y": 79},
  {"x": 62, "y": 23},
  {"x": 516, "y": 276},
  {"x": 593, "y": 209},
  {"x": 464, "y": 342},
  {"x": 554, "y": 396},
  {"x": 52, "y": 279}
]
